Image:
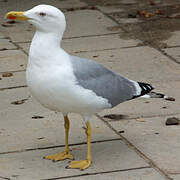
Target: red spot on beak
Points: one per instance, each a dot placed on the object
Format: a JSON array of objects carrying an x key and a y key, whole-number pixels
[{"x": 11, "y": 17}]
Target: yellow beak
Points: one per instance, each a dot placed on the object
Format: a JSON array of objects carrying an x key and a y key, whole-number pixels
[{"x": 14, "y": 15}]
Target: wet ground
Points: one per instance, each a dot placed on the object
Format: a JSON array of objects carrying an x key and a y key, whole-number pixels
[{"x": 149, "y": 21}]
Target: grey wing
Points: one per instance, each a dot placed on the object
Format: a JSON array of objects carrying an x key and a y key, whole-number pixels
[{"x": 102, "y": 81}]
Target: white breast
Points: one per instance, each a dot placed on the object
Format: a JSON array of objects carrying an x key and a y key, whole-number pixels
[{"x": 53, "y": 84}]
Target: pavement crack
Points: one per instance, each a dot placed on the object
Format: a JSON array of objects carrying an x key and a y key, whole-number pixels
[
  {"x": 13, "y": 71},
  {"x": 93, "y": 35},
  {"x": 96, "y": 173},
  {"x": 14, "y": 87},
  {"x": 141, "y": 154},
  {"x": 4, "y": 49},
  {"x": 107, "y": 49},
  {"x": 58, "y": 146},
  {"x": 169, "y": 47},
  {"x": 167, "y": 55}
]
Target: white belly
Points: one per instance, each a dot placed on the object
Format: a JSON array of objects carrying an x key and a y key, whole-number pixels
[{"x": 56, "y": 89}]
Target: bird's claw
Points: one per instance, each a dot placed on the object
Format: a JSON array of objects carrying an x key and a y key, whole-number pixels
[
  {"x": 82, "y": 164},
  {"x": 59, "y": 156}
]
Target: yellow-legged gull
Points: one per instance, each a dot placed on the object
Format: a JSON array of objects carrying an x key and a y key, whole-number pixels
[{"x": 66, "y": 83}]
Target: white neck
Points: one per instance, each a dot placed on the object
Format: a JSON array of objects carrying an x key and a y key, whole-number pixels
[
  {"x": 49, "y": 39},
  {"x": 44, "y": 48}
]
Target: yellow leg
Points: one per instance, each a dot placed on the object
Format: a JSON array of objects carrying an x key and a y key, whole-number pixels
[
  {"x": 66, "y": 153},
  {"x": 83, "y": 164}
]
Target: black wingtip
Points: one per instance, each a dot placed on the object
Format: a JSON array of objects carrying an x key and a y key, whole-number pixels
[{"x": 145, "y": 89}]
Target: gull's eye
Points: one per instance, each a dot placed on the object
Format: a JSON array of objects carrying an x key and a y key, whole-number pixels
[{"x": 42, "y": 14}]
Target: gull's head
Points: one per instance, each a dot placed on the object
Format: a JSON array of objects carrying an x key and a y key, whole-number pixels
[{"x": 45, "y": 18}]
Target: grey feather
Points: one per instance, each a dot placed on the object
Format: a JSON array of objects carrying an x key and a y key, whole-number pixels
[{"x": 102, "y": 81}]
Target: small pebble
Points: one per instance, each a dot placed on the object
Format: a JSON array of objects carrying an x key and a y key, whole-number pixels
[
  {"x": 172, "y": 121},
  {"x": 3, "y": 49},
  {"x": 147, "y": 102},
  {"x": 19, "y": 102},
  {"x": 132, "y": 15},
  {"x": 7, "y": 74},
  {"x": 121, "y": 131},
  {"x": 170, "y": 99},
  {"x": 95, "y": 56},
  {"x": 15, "y": 175},
  {"x": 115, "y": 116},
  {"x": 40, "y": 138},
  {"x": 37, "y": 117}
]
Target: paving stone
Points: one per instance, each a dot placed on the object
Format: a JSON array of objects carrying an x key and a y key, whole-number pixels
[
  {"x": 128, "y": 2},
  {"x": 174, "y": 52},
  {"x": 69, "y": 4},
  {"x": 176, "y": 177},
  {"x": 12, "y": 60},
  {"x": 95, "y": 43},
  {"x": 144, "y": 174},
  {"x": 143, "y": 107},
  {"x": 110, "y": 8},
  {"x": 5, "y": 44},
  {"x": 19, "y": 131},
  {"x": 107, "y": 156},
  {"x": 18, "y": 79},
  {"x": 156, "y": 140},
  {"x": 173, "y": 40},
  {"x": 89, "y": 23},
  {"x": 19, "y": 32},
  {"x": 129, "y": 20},
  {"x": 2, "y": 35}
]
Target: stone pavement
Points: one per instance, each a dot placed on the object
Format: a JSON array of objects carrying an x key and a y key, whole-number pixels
[{"x": 137, "y": 145}]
